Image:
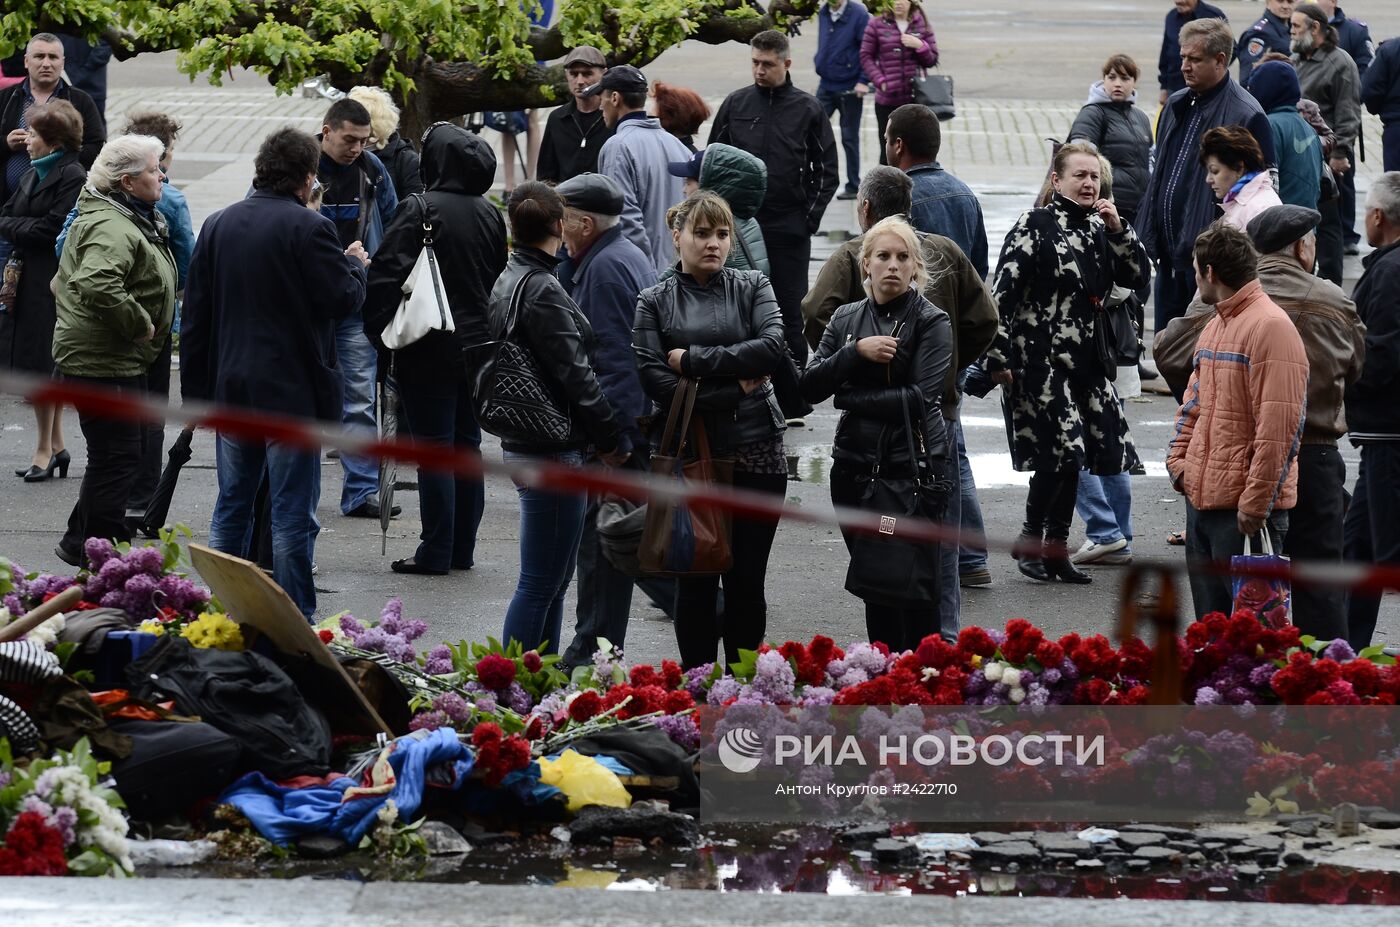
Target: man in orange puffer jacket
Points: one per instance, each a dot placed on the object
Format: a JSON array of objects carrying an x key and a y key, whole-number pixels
[{"x": 1241, "y": 419}]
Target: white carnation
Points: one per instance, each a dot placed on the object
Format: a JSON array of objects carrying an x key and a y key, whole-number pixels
[
  {"x": 1011, "y": 676},
  {"x": 993, "y": 671},
  {"x": 1017, "y": 695}
]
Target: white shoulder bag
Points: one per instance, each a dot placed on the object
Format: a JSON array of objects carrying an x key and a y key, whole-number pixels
[{"x": 424, "y": 305}]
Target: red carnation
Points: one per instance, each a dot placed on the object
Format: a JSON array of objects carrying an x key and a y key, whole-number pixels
[
  {"x": 1022, "y": 638},
  {"x": 33, "y": 847},
  {"x": 792, "y": 650},
  {"x": 677, "y": 702},
  {"x": 976, "y": 641},
  {"x": 644, "y": 675},
  {"x": 672, "y": 673},
  {"x": 326, "y": 635},
  {"x": 934, "y": 651},
  {"x": 823, "y": 650},
  {"x": 1364, "y": 677},
  {"x": 1049, "y": 654},
  {"x": 531, "y": 661},
  {"x": 585, "y": 705},
  {"x": 535, "y": 729},
  {"x": 486, "y": 733},
  {"x": 1137, "y": 659},
  {"x": 645, "y": 700},
  {"x": 495, "y": 671}
]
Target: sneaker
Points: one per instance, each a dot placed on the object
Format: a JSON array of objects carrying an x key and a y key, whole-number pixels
[
  {"x": 982, "y": 577},
  {"x": 847, "y": 194},
  {"x": 1098, "y": 553},
  {"x": 797, "y": 423},
  {"x": 370, "y": 509}
]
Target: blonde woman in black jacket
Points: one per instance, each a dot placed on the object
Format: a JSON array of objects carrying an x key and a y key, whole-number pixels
[
  {"x": 722, "y": 327},
  {"x": 878, "y": 357}
]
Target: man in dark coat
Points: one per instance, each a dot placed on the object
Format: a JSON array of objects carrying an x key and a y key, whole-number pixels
[
  {"x": 268, "y": 282},
  {"x": 1169, "y": 62},
  {"x": 86, "y": 66},
  {"x": 1353, "y": 35},
  {"x": 575, "y": 132},
  {"x": 1380, "y": 91},
  {"x": 791, "y": 133},
  {"x": 1177, "y": 205},
  {"x": 1372, "y": 527},
  {"x": 43, "y": 62}
]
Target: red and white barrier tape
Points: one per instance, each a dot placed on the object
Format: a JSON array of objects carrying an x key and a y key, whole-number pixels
[{"x": 630, "y": 484}]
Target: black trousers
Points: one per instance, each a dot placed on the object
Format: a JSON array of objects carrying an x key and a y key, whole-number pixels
[
  {"x": 1315, "y": 533},
  {"x": 1172, "y": 293},
  {"x": 113, "y": 460},
  {"x": 900, "y": 628},
  {"x": 1371, "y": 530},
  {"x": 789, "y": 253},
  {"x": 1329, "y": 241},
  {"x": 700, "y": 625},
  {"x": 882, "y": 119},
  {"x": 1346, "y": 204},
  {"x": 153, "y": 433},
  {"x": 1050, "y": 504}
]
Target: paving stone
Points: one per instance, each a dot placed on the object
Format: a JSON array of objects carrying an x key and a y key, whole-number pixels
[
  {"x": 1006, "y": 852},
  {"x": 1265, "y": 842},
  {"x": 1131, "y": 840},
  {"x": 1222, "y": 835},
  {"x": 1139, "y": 865},
  {"x": 1156, "y": 854},
  {"x": 986, "y": 837},
  {"x": 1089, "y": 865},
  {"x": 864, "y": 833},
  {"x": 1304, "y": 828},
  {"x": 1248, "y": 871},
  {"x": 1184, "y": 846},
  {"x": 1384, "y": 820},
  {"x": 442, "y": 840},
  {"x": 1294, "y": 858},
  {"x": 1051, "y": 842},
  {"x": 1166, "y": 830},
  {"x": 595, "y": 824}
]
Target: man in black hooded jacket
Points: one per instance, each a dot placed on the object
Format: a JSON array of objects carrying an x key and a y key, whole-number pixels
[{"x": 433, "y": 374}]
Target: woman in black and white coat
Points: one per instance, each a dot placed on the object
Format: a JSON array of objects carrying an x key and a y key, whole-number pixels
[{"x": 1056, "y": 263}]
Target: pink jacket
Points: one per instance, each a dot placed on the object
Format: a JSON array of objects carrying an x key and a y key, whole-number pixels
[
  {"x": 1257, "y": 196},
  {"x": 1240, "y": 424},
  {"x": 890, "y": 66}
]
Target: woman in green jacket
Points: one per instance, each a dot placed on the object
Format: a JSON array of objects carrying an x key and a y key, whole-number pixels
[{"x": 115, "y": 298}]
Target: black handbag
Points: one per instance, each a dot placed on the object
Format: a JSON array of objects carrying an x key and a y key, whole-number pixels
[
  {"x": 1116, "y": 338},
  {"x": 887, "y": 569},
  {"x": 936, "y": 92},
  {"x": 514, "y": 400}
]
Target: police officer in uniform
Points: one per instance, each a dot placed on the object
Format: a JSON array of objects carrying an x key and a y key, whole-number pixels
[
  {"x": 1354, "y": 38},
  {"x": 1270, "y": 33}
]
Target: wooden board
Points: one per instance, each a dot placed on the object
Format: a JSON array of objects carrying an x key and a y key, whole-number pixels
[{"x": 252, "y": 598}]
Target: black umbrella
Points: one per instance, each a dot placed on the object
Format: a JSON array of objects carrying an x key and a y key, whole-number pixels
[
  {"x": 159, "y": 507},
  {"x": 387, "y": 398}
]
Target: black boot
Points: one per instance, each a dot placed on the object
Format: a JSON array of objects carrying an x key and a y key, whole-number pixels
[
  {"x": 1028, "y": 555},
  {"x": 1056, "y": 563}
]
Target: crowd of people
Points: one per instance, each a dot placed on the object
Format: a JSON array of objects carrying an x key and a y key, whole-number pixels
[{"x": 648, "y": 279}]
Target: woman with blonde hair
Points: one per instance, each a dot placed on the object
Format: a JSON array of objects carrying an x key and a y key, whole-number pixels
[
  {"x": 721, "y": 327},
  {"x": 1058, "y": 266},
  {"x": 399, "y": 156},
  {"x": 885, "y": 359}
]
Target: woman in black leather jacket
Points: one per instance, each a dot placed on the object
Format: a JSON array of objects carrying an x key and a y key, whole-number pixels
[
  {"x": 722, "y": 327},
  {"x": 891, "y": 347},
  {"x": 553, "y": 329}
]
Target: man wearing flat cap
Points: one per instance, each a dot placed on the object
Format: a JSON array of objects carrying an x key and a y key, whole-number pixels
[
  {"x": 608, "y": 271},
  {"x": 637, "y": 157},
  {"x": 575, "y": 132},
  {"x": 1335, "y": 341}
]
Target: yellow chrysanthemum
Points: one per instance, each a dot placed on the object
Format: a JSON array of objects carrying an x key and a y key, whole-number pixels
[
  {"x": 151, "y": 626},
  {"x": 214, "y": 631}
]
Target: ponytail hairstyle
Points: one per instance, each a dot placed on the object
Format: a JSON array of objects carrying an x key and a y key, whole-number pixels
[{"x": 534, "y": 210}]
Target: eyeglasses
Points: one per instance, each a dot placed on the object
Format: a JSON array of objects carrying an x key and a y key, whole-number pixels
[{"x": 317, "y": 188}]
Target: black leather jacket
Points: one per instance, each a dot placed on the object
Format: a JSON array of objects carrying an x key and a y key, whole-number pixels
[
  {"x": 869, "y": 394},
  {"x": 559, "y": 336},
  {"x": 731, "y": 329}
]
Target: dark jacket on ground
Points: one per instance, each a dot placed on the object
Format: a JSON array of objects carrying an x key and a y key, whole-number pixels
[
  {"x": 953, "y": 286},
  {"x": 31, "y": 221},
  {"x": 1370, "y": 404},
  {"x": 553, "y": 329},
  {"x": 1169, "y": 62},
  {"x": 605, "y": 283},
  {"x": 730, "y": 329},
  {"x": 1177, "y": 205},
  {"x": 469, "y": 242},
  {"x": 870, "y": 395},
  {"x": 266, "y": 339},
  {"x": 787, "y": 129},
  {"x": 1064, "y": 411},
  {"x": 12, "y": 108},
  {"x": 1380, "y": 88},
  {"x": 838, "y": 47},
  {"x": 571, "y": 143},
  {"x": 401, "y": 161},
  {"x": 1123, "y": 135}
]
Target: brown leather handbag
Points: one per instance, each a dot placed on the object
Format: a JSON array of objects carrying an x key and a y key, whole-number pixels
[{"x": 682, "y": 539}]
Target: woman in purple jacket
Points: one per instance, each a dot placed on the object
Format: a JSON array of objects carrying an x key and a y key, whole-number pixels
[{"x": 896, "y": 48}]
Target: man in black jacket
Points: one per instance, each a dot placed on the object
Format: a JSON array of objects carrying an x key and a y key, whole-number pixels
[
  {"x": 43, "y": 63},
  {"x": 1372, "y": 527},
  {"x": 575, "y": 132},
  {"x": 789, "y": 131},
  {"x": 1169, "y": 62},
  {"x": 1380, "y": 91},
  {"x": 268, "y": 282}
]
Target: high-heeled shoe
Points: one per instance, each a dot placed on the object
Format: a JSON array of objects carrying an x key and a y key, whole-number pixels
[
  {"x": 59, "y": 462},
  {"x": 1060, "y": 568},
  {"x": 1027, "y": 553},
  {"x": 411, "y": 566}
]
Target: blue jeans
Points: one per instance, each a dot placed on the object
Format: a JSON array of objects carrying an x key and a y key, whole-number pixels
[
  {"x": 357, "y": 362},
  {"x": 850, "y": 106},
  {"x": 970, "y": 515},
  {"x": 551, "y": 526},
  {"x": 950, "y": 592},
  {"x": 442, "y": 413},
  {"x": 294, "y": 478},
  {"x": 1106, "y": 505}
]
